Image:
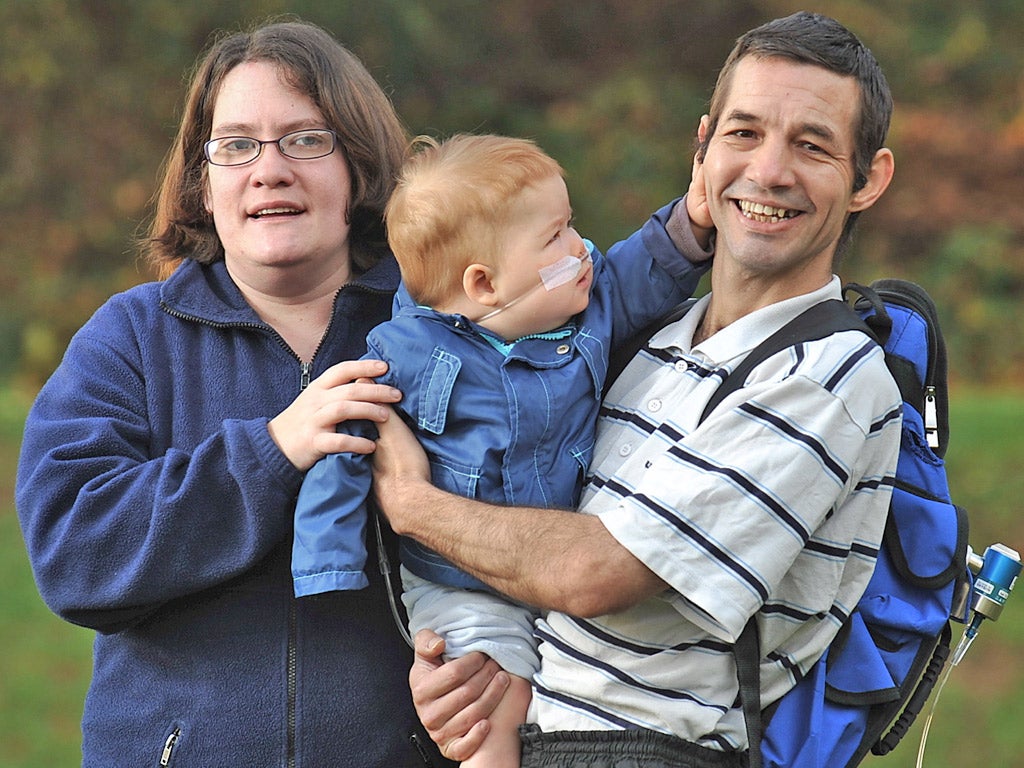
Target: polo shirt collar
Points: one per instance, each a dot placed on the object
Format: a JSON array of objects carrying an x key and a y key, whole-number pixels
[{"x": 740, "y": 337}]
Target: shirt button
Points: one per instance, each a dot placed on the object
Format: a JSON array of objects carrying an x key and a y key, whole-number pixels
[
  {"x": 562, "y": 349},
  {"x": 681, "y": 366},
  {"x": 625, "y": 449},
  {"x": 654, "y": 405}
]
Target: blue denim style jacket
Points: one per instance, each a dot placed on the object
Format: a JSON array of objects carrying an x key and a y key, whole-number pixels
[{"x": 514, "y": 428}]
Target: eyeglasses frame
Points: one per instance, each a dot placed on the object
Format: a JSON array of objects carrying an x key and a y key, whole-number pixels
[{"x": 260, "y": 144}]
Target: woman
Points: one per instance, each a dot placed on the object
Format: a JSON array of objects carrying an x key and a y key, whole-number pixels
[{"x": 161, "y": 461}]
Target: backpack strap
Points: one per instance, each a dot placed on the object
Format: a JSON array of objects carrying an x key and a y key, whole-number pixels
[
  {"x": 747, "y": 653},
  {"x": 817, "y": 322}
]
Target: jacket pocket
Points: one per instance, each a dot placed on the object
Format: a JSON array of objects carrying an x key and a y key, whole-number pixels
[
  {"x": 583, "y": 453},
  {"x": 451, "y": 476},
  {"x": 436, "y": 390}
]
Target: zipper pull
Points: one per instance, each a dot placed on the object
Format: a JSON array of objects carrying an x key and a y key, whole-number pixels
[
  {"x": 165, "y": 756},
  {"x": 931, "y": 418},
  {"x": 305, "y": 376}
]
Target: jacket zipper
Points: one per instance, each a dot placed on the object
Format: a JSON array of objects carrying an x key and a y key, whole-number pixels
[
  {"x": 165, "y": 756},
  {"x": 292, "y": 692}
]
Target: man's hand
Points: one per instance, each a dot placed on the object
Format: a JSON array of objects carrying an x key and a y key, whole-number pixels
[
  {"x": 399, "y": 468},
  {"x": 454, "y": 698}
]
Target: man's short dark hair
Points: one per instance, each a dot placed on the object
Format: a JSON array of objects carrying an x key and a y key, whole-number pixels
[{"x": 811, "y": 38}]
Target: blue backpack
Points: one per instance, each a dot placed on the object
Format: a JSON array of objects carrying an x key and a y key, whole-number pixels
[
  {"x": 888, "y": 656},
  {"x": 865, "y": 692}
]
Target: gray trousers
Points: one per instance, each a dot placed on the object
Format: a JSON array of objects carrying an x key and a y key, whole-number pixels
[{"x": 618, "y": 749}]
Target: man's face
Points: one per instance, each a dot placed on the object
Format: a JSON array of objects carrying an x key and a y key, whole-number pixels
[{"x": 779, "y": 171}]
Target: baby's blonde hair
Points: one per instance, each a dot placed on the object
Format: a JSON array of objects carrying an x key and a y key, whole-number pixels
[{"x": 453, "y": 205}]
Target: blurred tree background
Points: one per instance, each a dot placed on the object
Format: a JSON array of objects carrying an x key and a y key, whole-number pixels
[
  {"x": 90, "y": 91},
  {"x": 613, "y": 88}
]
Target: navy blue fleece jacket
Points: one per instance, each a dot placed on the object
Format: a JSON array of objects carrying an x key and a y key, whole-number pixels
[{"x": 158, "y": 511}]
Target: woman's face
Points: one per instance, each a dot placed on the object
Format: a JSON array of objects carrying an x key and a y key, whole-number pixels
[{"x": 276, "y": 214}]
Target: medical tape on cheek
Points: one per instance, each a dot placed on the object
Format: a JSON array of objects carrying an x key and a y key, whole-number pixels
[{"x": 562, "y": 271}]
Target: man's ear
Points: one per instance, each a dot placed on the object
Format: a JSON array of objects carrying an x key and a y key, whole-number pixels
[
  {"x": 478, "y": 284},
  {"x": 879, "y": 176}
]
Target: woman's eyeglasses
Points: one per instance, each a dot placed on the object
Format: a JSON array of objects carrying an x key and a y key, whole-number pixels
[{"x": 298, "y": 145}]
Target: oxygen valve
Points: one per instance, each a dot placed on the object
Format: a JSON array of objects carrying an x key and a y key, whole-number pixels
[{"x": 996, "y": 574}]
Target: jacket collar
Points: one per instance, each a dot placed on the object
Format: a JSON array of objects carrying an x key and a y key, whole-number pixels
[{"x": 207, "y": 292}]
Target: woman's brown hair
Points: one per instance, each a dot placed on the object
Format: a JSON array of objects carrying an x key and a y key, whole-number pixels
[{"x": 370, "y": 135}]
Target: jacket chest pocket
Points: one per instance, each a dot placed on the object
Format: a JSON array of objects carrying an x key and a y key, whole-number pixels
[
  {"x": 454, "y": 477},
  {"x": 436, "y": 390}
]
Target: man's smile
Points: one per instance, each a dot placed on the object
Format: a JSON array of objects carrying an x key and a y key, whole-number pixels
[{"x": 765, "y": 213}]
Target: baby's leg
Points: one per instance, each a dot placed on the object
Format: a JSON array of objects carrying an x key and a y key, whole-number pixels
[
  {"x": 472, "y": 621},
  {"x": 500, "y": 748}
]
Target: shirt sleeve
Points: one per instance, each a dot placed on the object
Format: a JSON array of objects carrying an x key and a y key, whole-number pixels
[{"x": 722, "y": 515}]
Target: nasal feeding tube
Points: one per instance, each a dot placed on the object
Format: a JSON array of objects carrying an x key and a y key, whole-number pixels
[
  {"x": 552, "y": 276},
  {"x": 562, "y": 271}
]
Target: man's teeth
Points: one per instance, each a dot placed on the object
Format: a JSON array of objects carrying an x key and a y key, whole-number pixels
[{"x": 765, "y": 213}]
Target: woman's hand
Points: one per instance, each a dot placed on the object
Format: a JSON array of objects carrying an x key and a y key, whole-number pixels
[
  {"x": 305, "y": 431},
  {"x": 454, "y": 698}
]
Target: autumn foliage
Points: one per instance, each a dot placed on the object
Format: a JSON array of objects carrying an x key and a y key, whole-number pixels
[{"x": 91, "y": 91}]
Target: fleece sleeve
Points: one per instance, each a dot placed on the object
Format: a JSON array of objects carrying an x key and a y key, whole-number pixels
[{"x": 134, "y": 489}]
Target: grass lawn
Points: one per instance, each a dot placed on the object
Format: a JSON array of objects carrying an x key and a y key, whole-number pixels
[
  {"x": 45, "y": 666},
  {"x": 44, "y": 669}
]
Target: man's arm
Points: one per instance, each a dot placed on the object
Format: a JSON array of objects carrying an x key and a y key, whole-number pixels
[{"x": 549, "y": 558}]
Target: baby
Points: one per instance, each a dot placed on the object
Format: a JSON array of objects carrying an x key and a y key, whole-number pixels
[{"x": 501, "y": 356}]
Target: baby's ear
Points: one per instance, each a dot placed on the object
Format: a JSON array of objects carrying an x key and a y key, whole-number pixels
[{"x": 478, "y": 283}]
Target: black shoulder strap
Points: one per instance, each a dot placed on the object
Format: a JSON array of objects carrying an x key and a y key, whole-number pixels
[
  {"x": 747, "y": 653},
  {"x": 817, "y": 322}
]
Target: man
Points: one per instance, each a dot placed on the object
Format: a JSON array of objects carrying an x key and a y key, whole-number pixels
[{"x": 773, "y": 507}]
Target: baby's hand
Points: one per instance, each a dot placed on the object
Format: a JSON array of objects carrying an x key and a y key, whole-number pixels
[{"x": 697, "y": 205}]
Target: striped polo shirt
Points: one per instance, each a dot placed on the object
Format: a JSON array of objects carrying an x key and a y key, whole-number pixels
[{"x": 774, "y": 505}]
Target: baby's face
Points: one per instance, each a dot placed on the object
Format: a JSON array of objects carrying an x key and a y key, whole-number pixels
[{"x": 545, "y": 268}]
